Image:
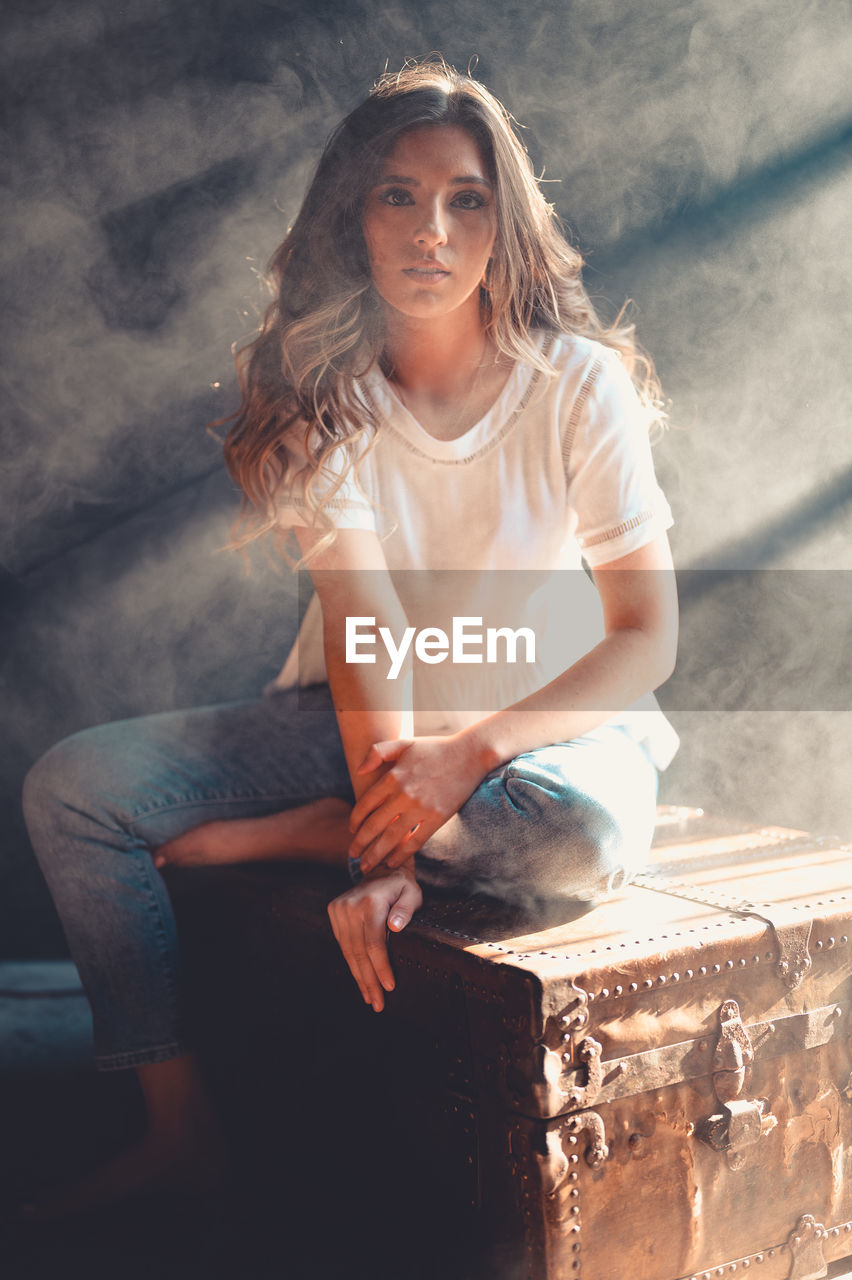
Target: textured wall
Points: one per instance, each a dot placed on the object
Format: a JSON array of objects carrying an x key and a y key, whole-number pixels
[{"x": 701, "y": 154}]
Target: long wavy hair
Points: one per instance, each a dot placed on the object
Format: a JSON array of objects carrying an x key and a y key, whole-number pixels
[{"x": 300, "y": 426}]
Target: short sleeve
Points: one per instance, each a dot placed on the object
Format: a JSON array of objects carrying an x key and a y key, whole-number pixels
[
  {"x": 612, "y": 488},
  {"x": 349, "y": 508}
]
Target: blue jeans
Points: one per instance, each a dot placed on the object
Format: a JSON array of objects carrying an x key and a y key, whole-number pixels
[{"x": 572, "y": 820}]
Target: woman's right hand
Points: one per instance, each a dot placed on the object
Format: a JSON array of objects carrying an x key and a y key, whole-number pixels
[{"x": 429, "y": 780}]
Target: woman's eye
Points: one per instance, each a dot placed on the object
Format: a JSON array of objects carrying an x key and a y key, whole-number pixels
[
  {"x": 469, "y": 200},
  {"x": 396, "y": 196}
]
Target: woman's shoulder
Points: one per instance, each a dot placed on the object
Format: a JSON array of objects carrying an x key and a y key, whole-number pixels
[{"x": 576, "y": 353}]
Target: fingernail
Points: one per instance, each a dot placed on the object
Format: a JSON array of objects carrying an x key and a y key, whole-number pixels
[
  {"x": 396, "y": 922},
  {"x": 388, "y": 984}
]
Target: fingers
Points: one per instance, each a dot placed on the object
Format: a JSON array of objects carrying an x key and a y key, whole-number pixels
[
  {"x": 372, "y": 798},
  {"x": 359, "y": 928},
  {"x": 395, "y": 844},
  {"x": 360, "y": 919},
  {"x": 417, "y": 837},
  {"x": 382, "y": 753},
  {"x": 405, "y": 906}
]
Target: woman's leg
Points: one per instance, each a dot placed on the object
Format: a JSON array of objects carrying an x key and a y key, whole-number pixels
[
  {"x": 572, "y": 821},
  {"x": 97, "y": 804}
]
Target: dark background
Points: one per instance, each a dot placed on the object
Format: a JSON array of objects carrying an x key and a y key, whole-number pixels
[{"x": 701, "y": 154}]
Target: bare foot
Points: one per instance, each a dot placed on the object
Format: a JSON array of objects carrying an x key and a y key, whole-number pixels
[
  {"x": 316, "y": 832},
  {"x": 188, "y": 1159}
]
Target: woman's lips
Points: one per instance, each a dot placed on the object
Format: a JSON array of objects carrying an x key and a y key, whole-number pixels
[{"x": 427, "y": 275}]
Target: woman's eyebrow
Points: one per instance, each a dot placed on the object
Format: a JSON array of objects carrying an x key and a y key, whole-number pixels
[{"x": 403, "y": 181}]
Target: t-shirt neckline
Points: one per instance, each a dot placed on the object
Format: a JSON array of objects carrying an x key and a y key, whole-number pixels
[{"x": 402, "y": 422}]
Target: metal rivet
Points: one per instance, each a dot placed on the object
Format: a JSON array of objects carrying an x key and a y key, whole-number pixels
[
  {"x": 729, "y": 964},
  {"x": 662, "y": 979},
  {"x": 575, "y": 1209},
  {"x": 634, "y": 986},
  {"x": 819, "y": 945},
  {"x": 844, "y": 939},
  {"x": 717, "y": 968},
  {"x": 689, "y": 973},
  {"x": 604, "y": 993},
  {"x": 618, "y": 991},
  {"x": 703, "y": 971},
  {"x": 648, "y": 983},
  {"x": 830, "y": 942},
  {"x": 742, "y": 963},
  {"x": 572, "y": 1140},
  {"x": 675, "y": 977},
  {"x": 572, "y": 1177},
  {"x": 573, "y": 1159},
  {"x": 575, "y": 1191}
]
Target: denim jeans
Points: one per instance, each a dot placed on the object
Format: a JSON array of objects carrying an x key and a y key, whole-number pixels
[{"x": 572, "y": 820}]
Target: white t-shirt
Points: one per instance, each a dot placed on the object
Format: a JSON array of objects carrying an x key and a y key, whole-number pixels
[{"x": 557, "y": 472}]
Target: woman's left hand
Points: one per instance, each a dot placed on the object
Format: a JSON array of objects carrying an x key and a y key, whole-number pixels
[{"x": 429, "y": 780}]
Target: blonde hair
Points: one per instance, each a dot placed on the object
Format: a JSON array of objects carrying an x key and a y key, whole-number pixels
[{"x": 324, "y": 326}]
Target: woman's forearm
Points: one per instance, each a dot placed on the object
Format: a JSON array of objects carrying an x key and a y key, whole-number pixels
[
  {"x": 639, "y": 598},
  {"x": 627, "y": 664},
  {"x": 369, "y": 708}
]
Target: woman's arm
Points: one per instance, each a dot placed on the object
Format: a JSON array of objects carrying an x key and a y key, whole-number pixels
[
  {"x": 637, "y": 654},
  {"x": 351, "y": 579}
]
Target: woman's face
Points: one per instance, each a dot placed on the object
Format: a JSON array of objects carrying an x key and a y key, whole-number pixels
[{"x": 430, "y": 223}]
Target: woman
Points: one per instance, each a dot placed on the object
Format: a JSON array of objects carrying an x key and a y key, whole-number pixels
[{"x": 431, "y": 390}]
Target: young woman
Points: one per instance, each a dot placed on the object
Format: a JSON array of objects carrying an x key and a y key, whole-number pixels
[{"x": 431, "y": 390}]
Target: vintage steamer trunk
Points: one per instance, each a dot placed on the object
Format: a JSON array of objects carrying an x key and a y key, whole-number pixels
[{"x": 661, "y": 1088}]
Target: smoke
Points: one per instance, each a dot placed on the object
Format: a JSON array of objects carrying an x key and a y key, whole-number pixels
[
  {"x": 155, "y": 155},
  {"x": 123, "y": 313},
  {"x": 646, "y": 111}
]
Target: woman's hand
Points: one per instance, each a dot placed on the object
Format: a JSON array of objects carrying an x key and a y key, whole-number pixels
[
  {"x": 429, "y": 780},
  {"x": 360, "y": 918}
]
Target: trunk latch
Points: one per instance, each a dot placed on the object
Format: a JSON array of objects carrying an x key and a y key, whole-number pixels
[{"x": 742, "y": 1121}]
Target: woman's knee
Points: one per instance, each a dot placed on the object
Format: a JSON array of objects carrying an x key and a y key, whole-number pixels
[
  {"x": 572, "y": 845},
  {"x": 72, "y": 777}
]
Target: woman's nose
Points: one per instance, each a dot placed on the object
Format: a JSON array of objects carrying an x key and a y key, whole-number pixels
[{"x": 431, "y": 230}]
